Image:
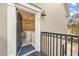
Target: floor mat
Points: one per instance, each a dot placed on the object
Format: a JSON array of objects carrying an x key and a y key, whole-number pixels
[{"x": 26, "y": 49}]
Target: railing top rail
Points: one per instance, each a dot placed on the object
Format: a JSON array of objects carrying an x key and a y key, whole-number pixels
[{"x": 61, "y": 34}]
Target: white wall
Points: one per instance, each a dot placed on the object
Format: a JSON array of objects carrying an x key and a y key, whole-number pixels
[
  {"x": 3, "y": 29},
  {"x": 54, "y": 21}
]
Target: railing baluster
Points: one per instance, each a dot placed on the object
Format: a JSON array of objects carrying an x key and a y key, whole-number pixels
[
  {"x": 60, "y": 45},
  {"x": 63, "y": 50},
  {"x": 56, "y": 45},
  {"x": 71, "y": 45},
  {"x": 78, "y": 46},
  {"x": 41, "y": 42},
  {"x": 53, "y": 44},
  {"x": 46, "y": 43},
  {"x": 50, "y": 43},
  {"x": 65, "y": 45}
]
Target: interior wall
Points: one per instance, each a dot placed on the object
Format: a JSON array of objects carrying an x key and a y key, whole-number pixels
[
  {"x": 28, "y": 21},
  {"x": 54, "y": 21},
  {"x": 3, "y": 29},
  {"x": 28, "y": 26}
]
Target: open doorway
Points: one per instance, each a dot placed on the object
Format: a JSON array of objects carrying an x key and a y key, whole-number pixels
[
  {"x": 12, "y": 26},
  {"x": 25, "y": 32}
]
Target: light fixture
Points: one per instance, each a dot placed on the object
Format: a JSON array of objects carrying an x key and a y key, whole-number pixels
[{"x": 43, "y": 13}]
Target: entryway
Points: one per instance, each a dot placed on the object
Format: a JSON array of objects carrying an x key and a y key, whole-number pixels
[
  {"x": 17, "y": 37},
  {"x": 25, "y": 32},
  {"x": 28, "y": 31}
]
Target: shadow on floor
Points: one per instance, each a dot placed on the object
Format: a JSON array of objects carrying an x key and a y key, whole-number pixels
[{"x": 35, "y": 54}]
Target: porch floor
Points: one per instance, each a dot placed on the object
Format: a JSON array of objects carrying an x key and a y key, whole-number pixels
[{"x": 36, "y": 53}]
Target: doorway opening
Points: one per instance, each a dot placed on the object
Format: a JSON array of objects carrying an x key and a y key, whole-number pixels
[{"x": 25, "y": 32}]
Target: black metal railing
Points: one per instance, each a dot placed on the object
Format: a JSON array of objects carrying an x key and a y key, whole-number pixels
[{"x": 56, "y": 44}]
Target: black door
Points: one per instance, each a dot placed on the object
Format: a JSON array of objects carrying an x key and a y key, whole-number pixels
[{"x": 19, "y": 31}]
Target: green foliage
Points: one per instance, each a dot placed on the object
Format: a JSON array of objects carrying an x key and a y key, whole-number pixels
[{"x": 74, "y": 28}]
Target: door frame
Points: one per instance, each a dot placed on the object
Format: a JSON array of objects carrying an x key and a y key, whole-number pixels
[{"x": 28, "y": 8}]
